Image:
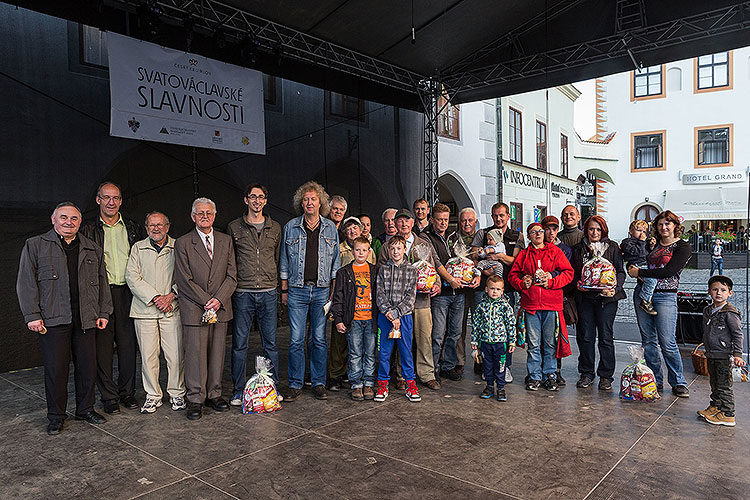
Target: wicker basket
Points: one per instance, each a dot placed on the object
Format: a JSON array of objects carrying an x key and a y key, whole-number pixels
[{"x": 700, "y": 363}]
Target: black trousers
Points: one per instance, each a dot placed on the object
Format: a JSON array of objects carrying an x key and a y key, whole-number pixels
[
  {"x": 720, "y": 378},
  {"x": 59, "y": 344},
  {"x": 120, "y": 335},
  {"x": 596, "y": 318}
]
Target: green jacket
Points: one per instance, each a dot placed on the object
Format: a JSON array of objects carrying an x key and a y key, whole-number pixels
[{"x": 493, "y": 321}]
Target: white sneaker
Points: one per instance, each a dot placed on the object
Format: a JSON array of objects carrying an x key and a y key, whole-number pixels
[
  {"x": 235, "y": 401},
  {"x": 178, "y": 403},
  {"x": 508, "y": 376},
  {"x": 151, "y": 404}
]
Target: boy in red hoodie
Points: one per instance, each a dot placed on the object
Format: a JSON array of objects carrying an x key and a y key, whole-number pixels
[{"x": 540, "y": 272}]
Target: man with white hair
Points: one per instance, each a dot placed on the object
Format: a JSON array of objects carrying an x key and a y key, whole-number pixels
[
  {"x": 467, "y": 229},
  {"x": 389, "y": 222},
  {"x": 206, "y": 278},
  {"x": 338, "y": 207}
]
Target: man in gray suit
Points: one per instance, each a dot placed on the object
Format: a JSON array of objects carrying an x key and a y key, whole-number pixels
[{"x": 206, "y": 278}]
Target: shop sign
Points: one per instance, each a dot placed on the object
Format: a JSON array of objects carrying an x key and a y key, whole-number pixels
[
  {"x": 524, "y": 179},
  {"x": 734, "y": 175},
  {"x": 558, "y": 189}
]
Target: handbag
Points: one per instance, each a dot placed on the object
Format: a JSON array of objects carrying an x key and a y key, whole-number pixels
[{"x": 570, "y": 311}]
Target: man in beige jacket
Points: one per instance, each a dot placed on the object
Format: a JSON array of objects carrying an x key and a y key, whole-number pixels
[{"x": 150, "y": 276}]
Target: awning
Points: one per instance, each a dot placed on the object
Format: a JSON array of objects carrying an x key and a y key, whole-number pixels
[{"x": 708, "y": 204}]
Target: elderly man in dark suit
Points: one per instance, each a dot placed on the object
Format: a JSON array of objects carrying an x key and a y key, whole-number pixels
[{"x": 206, "y": 278}]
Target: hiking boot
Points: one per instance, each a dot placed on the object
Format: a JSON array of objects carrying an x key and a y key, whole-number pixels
[
  {"x": 708, "y": 411},
  {"x": 648, "y": 307},
  {"x": 487, "y": 393},
  {"x": 533, "y": 385},
  {"x": 451, "y": 374},
  {"x": 292, "y": 394},
  {"x": 357, "y": 394},
  {"x": 681, "y": 391},
  {"x": 560, "y": 380},
  {"x": 605, "y": 384},
  {"x": 551, "y": 383},
  {"x": 400, "y": 384},
  {"x": 382, "y": 392},
  {"x": 720, "y": 418},
  {"x": 500, "y": 396},
  {"x": 584, "y": 382},
  {"x": 320, "y": 392},
  {"x": 412, "y": 394},
  {"x": 334, "y": 385},
  {"x": 368, "y": 393},
  {"x": 433, "y": 384}
]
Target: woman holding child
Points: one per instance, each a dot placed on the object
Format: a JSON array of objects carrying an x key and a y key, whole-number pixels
[
  {"x": 665, "y": 262},
  {"x": 597, "y": 308}
]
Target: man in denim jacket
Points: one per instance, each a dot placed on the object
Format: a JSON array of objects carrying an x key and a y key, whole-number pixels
[{"x": 308, "y": 264}]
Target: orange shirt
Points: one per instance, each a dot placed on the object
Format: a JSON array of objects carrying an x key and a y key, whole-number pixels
[{"x": 362, "y": 292}]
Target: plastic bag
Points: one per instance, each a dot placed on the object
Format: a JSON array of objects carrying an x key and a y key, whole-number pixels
[
  {"x": 739, "y": 373},
  {"x": 597, "y": 273},
  {"x": 461, "y": 267},
  {"x": 260, "y": 394},
  {"x": 426, "y": 274},
  {"x": 637, "y": 382}
]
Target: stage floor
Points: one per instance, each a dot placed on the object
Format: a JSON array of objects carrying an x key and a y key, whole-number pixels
[{"x": 575, "y": 443}]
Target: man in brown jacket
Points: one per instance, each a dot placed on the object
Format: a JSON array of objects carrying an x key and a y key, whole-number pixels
[
  {"x": 206, "y": 278},
  {"x": 63, "y": 292}
]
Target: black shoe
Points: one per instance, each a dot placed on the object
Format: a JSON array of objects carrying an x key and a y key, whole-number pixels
[
  {"x": 533, "y": 385},
  {"x": 681, "y": 391},
  {"x": 648, "y": 307},
  {"x": 320, "y": 392},
  {"x": 451, "y": 374},
  {"x": 551, "y": 383},
  {"x": 584, "y": 382},
  {"x": 92, "y": 417},
  {"x": 292, "y": 394},
  {"x": 111, "y": 407},
  {"x": 500, "y": 395},
  {"x": 217, "y": 404},
  {"x": 487, "y": 393},
  {"x": 560, "y": 380},
  {"x": 129, "y": 402},
  {"x": 194, "y": 411},
  {"x": 54, "y": 427},
  {"x": 605, "y": 384},
  {"x": 334, "y": 385}
]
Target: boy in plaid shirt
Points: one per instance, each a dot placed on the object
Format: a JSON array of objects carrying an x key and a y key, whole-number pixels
[{"x": 494, "y": 333}]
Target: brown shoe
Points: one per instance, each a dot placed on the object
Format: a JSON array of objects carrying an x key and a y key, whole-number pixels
[
  {"x": 400, "y": 384},
  {"x": 720, "y": 418},
  {"x": 460, "y": 369},
  {"x": 357, "y": 394},
  {"x": 368, "y": 393},
  {"x": 433, "y": 384},
  {"x": 711, "y": 410}
]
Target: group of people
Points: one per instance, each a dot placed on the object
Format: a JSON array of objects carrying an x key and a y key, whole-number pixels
[{"x": 93, "y": 288}]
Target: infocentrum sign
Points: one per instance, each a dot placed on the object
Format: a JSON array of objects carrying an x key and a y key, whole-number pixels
[
  {"x": 524, "y": 179},
  {"x": 734, "y": 175}
]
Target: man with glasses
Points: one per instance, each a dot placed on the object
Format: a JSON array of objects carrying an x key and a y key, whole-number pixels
[
  {"x": 257, "y": 242},
  {"x": 150, "y": 276},
  {"x": 115, "y": 235},
  {"x": 206, "y": 278}
]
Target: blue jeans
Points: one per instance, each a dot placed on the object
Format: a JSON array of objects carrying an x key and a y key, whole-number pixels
[
  {"x": 493, "y": 363},
  {"x": 361, "y": 341},
  {"x": 647, "y": 287},
  {"x": 447, "y": 314},
  {"x": 304, "y": 302},
  {"x": 246, "y": 306},
  {"x": 717, "y": 264},
  {"x": 540, "y": 336},
  {"x": 659, "y": 332},
  {"x": 403, "y": 344}
]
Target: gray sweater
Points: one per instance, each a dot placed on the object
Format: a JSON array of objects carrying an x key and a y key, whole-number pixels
[
  {"x": 722, "y": 332},
  {"x": 396, "y": 288}
]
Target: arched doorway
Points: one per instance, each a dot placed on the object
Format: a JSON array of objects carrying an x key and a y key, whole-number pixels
[
  {"x": 454, "y": 193},
  {"x": 647, "y": 212}
]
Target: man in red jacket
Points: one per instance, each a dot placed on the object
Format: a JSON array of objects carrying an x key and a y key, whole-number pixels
[{"x": 540, "y": 272}]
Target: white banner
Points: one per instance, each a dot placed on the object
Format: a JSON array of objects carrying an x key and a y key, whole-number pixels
[{"x": 164, "y": 95}]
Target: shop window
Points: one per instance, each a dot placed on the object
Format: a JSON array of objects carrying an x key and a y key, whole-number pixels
[
  {"x": 93, "y": 46},
  {"x": 648, "y": 82},
  {"x": 516, "y": 135},
  {"x": 713, "y": 146},
  {"x": 648, "y": 151},
  {"x": 541, "y": 146},
  {"x": 563, "y": 155},
  {"x": 345, "y": 106},
  {"x": 448, "y": 120},
  {"x": 713, "y": 72},
  {"x": 516, "y": 216}
]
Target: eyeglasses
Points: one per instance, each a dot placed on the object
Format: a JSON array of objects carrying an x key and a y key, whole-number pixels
[
  {"x": 204, "y": 214},
  {"x": 153, "y": 226},
  {"x": 536, "y": 232},
  {"x": 112, "y": 198},
  {"x": 259, "y": 197}
]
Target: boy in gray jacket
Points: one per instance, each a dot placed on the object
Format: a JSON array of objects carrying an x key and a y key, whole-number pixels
[{"x": 722, "y": 337}]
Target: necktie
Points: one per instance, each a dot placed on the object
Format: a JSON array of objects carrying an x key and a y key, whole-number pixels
[{"x": 209, "y": 249}]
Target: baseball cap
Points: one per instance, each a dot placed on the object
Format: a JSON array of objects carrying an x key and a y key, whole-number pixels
[
  {"x": 349, "y": 221},
  {"x": 404, "y": 212},
  {"x": 550, "y": 220}
]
